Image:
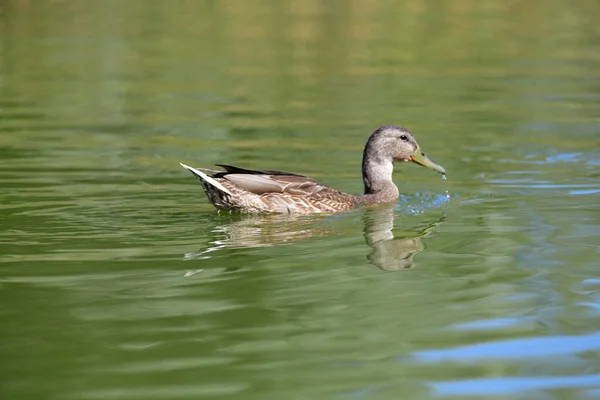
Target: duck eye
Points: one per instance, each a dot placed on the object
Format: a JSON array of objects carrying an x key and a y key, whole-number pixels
[{"x": 403, "y": 137}]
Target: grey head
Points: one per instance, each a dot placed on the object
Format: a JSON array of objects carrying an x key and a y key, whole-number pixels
[{"x": 386, "y": 145}]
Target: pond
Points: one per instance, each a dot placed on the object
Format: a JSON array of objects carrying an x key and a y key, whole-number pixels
[{"x": 119, "y": 280}]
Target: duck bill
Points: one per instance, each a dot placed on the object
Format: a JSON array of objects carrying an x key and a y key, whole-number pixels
[{"x": 421, "y": 159}]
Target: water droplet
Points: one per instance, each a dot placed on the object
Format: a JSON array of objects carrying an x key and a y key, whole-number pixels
[{"x": 443, "y": 177}]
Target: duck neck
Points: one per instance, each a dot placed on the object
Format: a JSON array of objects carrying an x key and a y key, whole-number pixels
[{"x": 377, "y": 178}]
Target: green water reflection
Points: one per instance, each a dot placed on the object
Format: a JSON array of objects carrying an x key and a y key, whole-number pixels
[{"x": 119, "y": 281}]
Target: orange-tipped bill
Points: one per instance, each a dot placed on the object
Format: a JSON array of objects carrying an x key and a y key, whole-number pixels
[{"x": 421, "y": 159}]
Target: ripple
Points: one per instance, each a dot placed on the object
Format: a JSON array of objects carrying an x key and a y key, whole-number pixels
[
  {"x": 513, "y": 349},
  {"x": 513, "y": 385},
  {"x": 164, "y": 391},
  {"x": 493, "y": 324},
  {"x": 163, "y": 365},
  {"x": 584, "y": 192}
]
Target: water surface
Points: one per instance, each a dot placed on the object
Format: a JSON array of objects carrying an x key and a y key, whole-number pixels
[{"x": 118, "y": 280}]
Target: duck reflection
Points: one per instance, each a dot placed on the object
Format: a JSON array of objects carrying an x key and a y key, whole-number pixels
[
  {"x": 389, "y": 251},
  {"x": 260, "y": 230}
]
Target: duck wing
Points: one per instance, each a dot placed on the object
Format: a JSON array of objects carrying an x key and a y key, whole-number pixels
[{"x": 264, "y": 182}]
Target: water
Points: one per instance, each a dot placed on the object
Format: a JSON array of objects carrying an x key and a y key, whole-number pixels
[{"x": 118, "y": 280}]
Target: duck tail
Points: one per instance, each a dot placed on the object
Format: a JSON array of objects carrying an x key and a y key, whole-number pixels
[{"x": 203, "y": 177}]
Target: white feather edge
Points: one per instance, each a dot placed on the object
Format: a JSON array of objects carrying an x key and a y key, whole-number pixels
[{"x": 206, "y": 178}]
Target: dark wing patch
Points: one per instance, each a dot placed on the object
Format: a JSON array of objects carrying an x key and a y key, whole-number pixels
[{"x": 237, "y": 170}]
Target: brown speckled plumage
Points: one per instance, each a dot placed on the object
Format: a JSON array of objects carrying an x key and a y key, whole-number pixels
[{"x": 243, "y": 190}]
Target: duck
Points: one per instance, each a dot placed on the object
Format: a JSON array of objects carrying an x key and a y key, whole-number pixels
[{"x": 243, "y": 190}]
